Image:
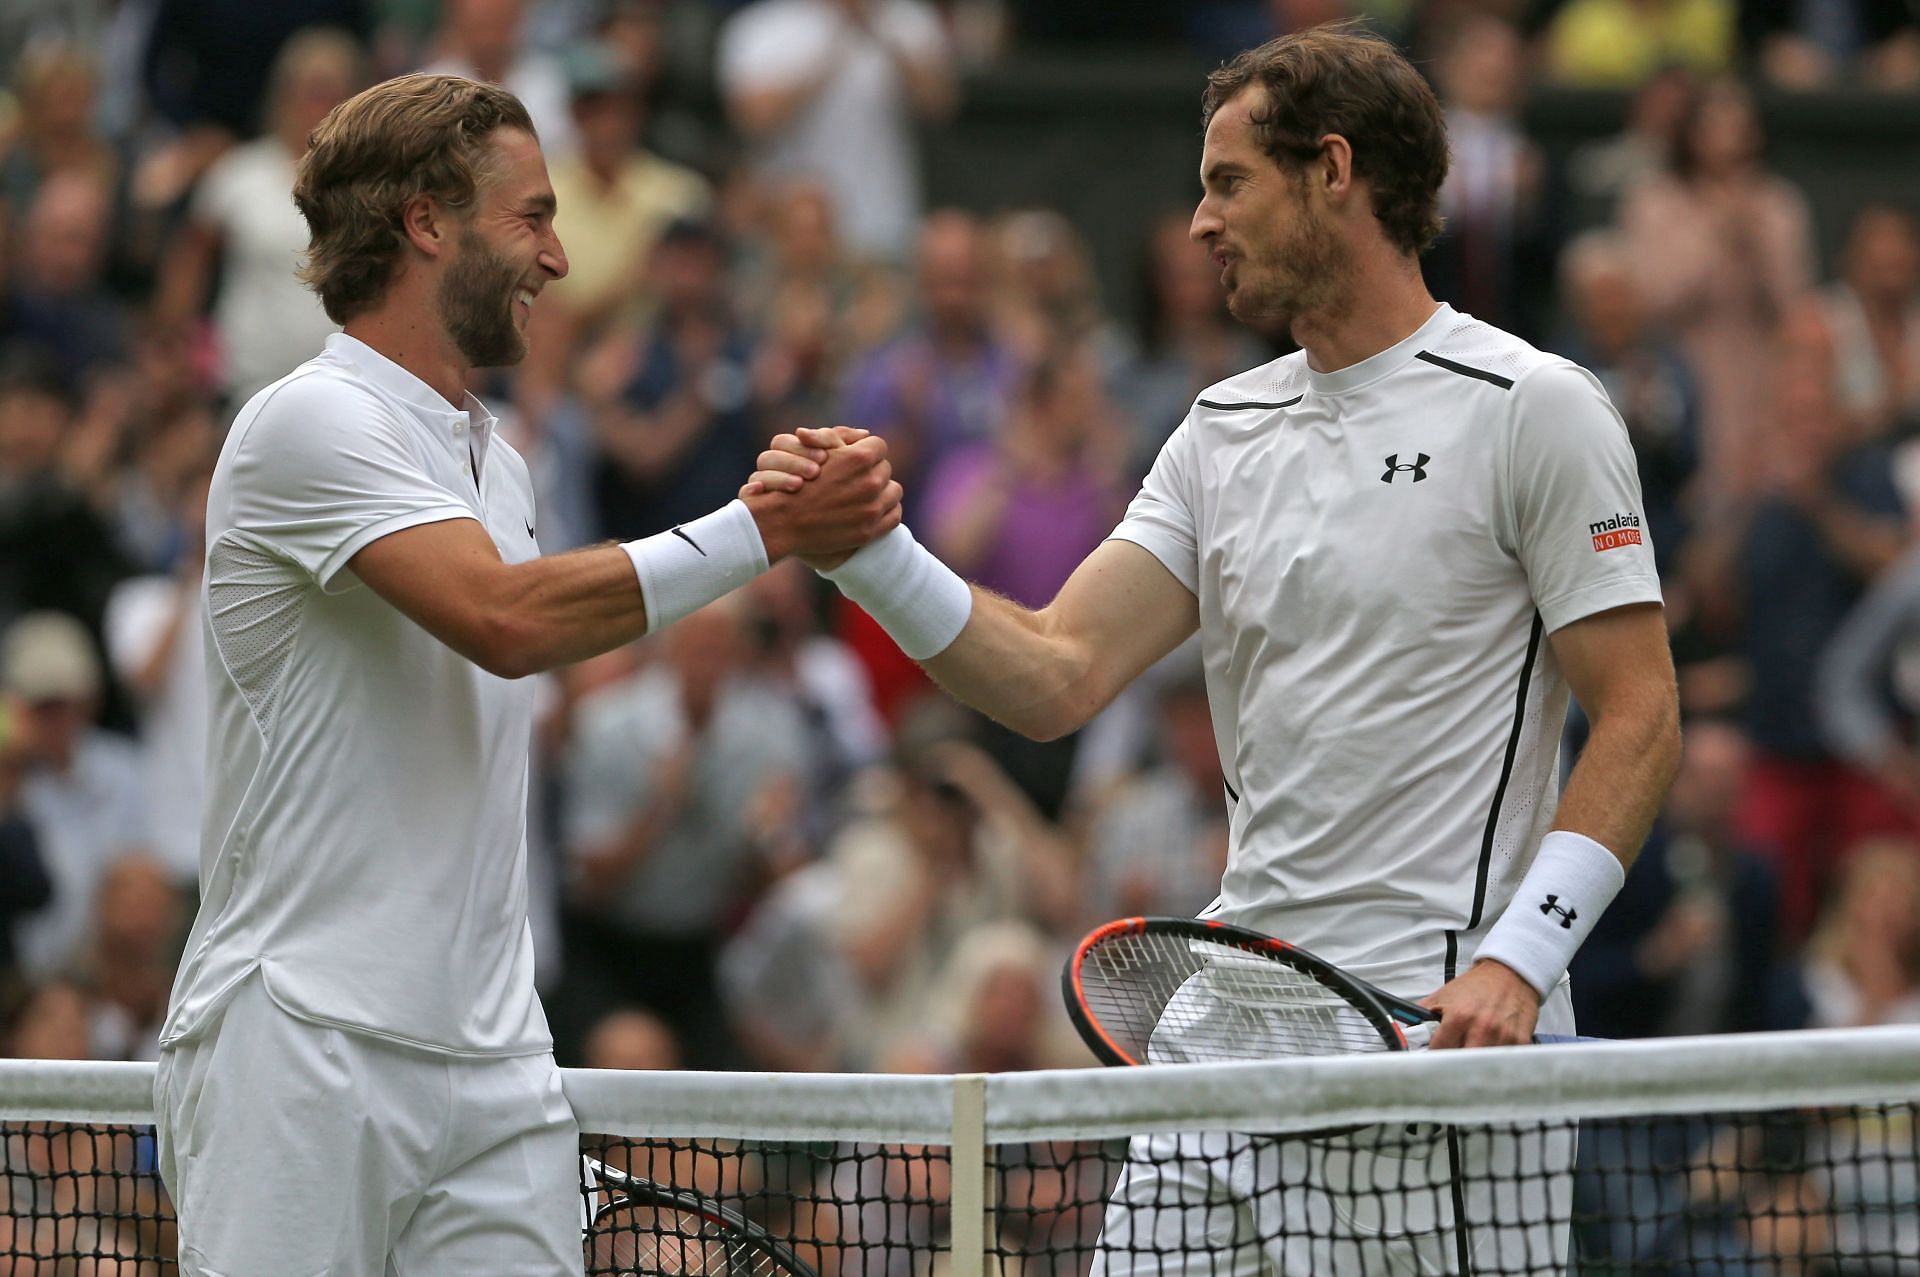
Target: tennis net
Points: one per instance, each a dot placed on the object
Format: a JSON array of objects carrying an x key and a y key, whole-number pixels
[{"x": 1716, "y": 1157}]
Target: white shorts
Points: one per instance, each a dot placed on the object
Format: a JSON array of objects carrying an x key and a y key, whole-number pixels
[
  {"x": 1381, "y": 1200},
  {"x": 293, "y": 1149}
]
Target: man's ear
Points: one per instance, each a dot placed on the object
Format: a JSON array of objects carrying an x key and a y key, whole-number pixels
[
  {"x": 1334, "y": 168},
  {"x": 426, "y": 225}
]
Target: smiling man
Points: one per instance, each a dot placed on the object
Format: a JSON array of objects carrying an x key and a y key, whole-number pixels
[
  {"x": 356, "y": 1075},
  {"x": 1402, "y": 547}
]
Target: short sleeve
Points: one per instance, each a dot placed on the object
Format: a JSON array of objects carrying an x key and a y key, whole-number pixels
[
  {"x": 1578, "y": 524},
  {"x": 217, "y": 193},
  {"x": 322, "y": 473},
  {"x": 1161, "y": 517}
]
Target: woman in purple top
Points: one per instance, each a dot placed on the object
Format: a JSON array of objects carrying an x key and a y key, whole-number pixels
[{"x": 1019, "y": 512}]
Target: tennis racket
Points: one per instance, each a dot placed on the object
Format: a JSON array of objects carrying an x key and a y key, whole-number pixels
[
  {"x": 1186, "y": 990},
  {"x": 644, "y": 1229}
]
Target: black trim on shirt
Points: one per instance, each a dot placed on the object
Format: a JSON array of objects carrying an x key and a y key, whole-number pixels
[
  {"x": 1236, "y": 407},
  {"x": 1506, "y": 773},
  {"x": 1478, "y": 374}
]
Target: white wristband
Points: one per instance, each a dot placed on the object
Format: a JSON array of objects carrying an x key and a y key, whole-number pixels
[
  {"x": 684, "y": 569},
  {"x": 918, "y": 600},
  {"x": 1571, "y": 883}
]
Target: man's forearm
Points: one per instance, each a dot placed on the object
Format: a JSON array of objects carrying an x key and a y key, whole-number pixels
[
  {"x": 1009, "y": 665},
  {"x": 1621, "y": 778}
]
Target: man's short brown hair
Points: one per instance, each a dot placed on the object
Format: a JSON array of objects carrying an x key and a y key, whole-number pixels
[
  {"x": 1340, "y": 80},
  {"x": 376, "y": 153}
]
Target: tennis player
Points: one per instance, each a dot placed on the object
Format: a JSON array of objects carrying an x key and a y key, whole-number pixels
[
  {"x": 356, "y": 1074},
  {"x": 1402, "y": 547}
]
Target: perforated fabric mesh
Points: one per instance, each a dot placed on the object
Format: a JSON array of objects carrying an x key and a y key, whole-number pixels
[
  {"x": 1508, "y": 358},
  {"x": 256, "y": 602}
]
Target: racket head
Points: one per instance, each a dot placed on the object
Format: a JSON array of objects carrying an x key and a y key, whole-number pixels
[
  {"x": 1192, "y": 990},
  {"x": 644, "y": 1229}
]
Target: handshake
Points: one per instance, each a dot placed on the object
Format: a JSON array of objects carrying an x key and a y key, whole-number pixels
[{"x": 822, "y": 494}]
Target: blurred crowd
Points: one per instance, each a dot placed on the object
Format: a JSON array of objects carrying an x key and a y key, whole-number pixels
[{"x": 762, "y": 839}]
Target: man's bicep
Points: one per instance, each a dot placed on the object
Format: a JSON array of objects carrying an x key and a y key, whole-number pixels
[
  {"x": 438, "y": 575},
  {"x": 1125, "y": 609},
  {"x": 1617, "y": 660}
]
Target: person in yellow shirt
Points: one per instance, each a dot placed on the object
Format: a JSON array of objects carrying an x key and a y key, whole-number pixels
[
  {"x": 1619, "y": 44},
  {"x": 615, "y": 196}
]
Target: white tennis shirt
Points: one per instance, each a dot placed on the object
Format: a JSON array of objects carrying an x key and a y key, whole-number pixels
[
  {"x": 1379, "y": 554},
  {"x": 365, "y": 836}
]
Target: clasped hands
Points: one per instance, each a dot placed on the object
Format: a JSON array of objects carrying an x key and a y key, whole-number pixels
[{"x": 822, "y": 494}]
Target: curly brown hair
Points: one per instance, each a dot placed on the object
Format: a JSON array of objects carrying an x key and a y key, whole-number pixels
[
  {"x": 1339, "y": 79},
  {"x": 376, "y": 153}
]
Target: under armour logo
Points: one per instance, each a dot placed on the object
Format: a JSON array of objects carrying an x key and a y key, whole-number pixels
[
  {"x": 1418, "y": 468},
  {"x": 690, "y": 541},
  {"x": 1567, "y": 916}
]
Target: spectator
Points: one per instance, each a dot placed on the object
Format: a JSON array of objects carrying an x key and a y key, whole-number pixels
[
  {"x": 631, "y": 1039},
  {"x": 796, "y": 248},
  {"x": 1836, "y": 42},
  {"x": 662, "y": 774},
  {"x": 1874, "y": 310},
  {"x": 1724, "y": 248},
  {"x": 830, "y": 89},
  {"x": 672, "y": 406},
  {"x": 1491, "y": 199},
  {"x": 616, "y": 197},
  {"x": 244, "y": 229},
  {"x": 25, "y": 886},
  {"x": 1600, "y": 173},
  {"x": 1691, "y": 945},
  {"x": 56, "y": 549},
  {"x": 140, "y": 919},
  {"x": 60, "y": 301},
  {"x": 486, "y": 40},
  {"x": 1019, "y": 511},
  {"x": 948, "y": 380},
  {"x": 844, "y": 730},
  {"x": 1045, "y": 291},
  {"x": 155, "y": 645},
  {"x": 55, "y": 90},
  {"x": 1645, "y": 377},
  {"x": 1829, "y": 520},
  {"x": 1158, "y": 845},
  {"x": 1621, "y": 44},
  {"x": 992, "y": 1011},
  {"x": 1188, "y": 341},
  {"x": 841, "y": 960},
  {"x": 1863, "y": 962},
  {"x": 82, "y": 791}
]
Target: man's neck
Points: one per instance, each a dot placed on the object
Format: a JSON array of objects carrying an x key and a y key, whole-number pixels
[
  {"x": 420, "y": 346},
  {"x": 1381, "y": 307}
]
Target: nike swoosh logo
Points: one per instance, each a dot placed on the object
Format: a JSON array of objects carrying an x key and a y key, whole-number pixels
[
  {"x": 529, "y": 529},
  {"x": 690, "y": 541}
]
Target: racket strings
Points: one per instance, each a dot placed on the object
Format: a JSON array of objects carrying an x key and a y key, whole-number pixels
[
  {"x": 1181, "y": 999},
  {"x": 633, "y": 1239}
]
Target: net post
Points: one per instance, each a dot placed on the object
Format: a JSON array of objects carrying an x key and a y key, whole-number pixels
[{"x": 968, "y": 1167}]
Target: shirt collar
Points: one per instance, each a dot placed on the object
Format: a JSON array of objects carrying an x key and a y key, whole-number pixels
[
  {"x": 416, "y": 394},
  {"x": 1373, "y": 367}
]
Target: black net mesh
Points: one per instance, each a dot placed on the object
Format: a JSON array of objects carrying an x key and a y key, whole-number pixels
[{"x": 1804, "y": 1192}]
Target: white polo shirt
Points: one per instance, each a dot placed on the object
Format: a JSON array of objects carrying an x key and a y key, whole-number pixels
[
  {"x": 1379, "y": 554},
  {"x": 365, "y": 835}
]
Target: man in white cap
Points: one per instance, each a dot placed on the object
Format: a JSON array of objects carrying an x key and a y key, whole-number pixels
[{"x": 82, "y": 791}]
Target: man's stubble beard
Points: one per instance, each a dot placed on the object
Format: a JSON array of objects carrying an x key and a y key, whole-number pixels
[
  {"x": 1308, "y": 274},
  {"x": 476, "y": 305}
]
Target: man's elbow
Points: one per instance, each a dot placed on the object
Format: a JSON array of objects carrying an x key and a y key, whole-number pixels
[{"x": 505, "y": 647}]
